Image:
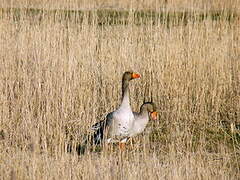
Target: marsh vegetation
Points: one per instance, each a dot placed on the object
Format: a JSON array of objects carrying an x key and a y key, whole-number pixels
[{"x": 61, "y": 72}]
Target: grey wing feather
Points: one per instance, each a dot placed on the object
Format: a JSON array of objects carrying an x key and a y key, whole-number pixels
[
  {"x": 135, "y": 114},
  {"x": 100, "y": 127}
]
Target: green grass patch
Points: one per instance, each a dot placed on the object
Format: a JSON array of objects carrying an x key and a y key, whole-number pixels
[{"x": 115, "y": 17}]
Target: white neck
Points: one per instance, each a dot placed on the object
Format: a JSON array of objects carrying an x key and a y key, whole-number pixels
[
  {"x": 125, "y": 100},
  {"x": 144, "y": 117},
  {"x": 125, "y": 95}
]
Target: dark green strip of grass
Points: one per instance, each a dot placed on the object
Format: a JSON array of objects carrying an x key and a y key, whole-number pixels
[{"x": 105, "y": 17}]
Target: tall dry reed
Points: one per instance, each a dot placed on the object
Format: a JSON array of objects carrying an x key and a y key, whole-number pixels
[{"x": 59, "y": 76}]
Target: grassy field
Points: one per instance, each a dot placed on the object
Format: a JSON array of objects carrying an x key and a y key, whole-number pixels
[
  {"x": 61, "y": 72},
  {"x": 195, "y": 5}
]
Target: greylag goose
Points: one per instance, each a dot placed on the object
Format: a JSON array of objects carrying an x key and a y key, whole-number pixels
[
  {"x": 117, "y": 124},
  {"x": 140, "y": 122},
  {"x": 142, "y": 118}
]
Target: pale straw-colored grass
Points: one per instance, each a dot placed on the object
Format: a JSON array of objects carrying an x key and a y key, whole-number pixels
[{"x": 63, "y": 76}]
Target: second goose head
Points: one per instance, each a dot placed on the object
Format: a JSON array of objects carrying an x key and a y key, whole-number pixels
[{"x": 149, "y": 107}]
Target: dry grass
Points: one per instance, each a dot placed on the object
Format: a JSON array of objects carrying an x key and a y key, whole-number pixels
[
  {"x": 58, "y": 75},
  {"x": 196, "y": 5}
]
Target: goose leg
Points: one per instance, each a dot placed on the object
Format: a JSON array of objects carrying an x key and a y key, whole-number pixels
[{"x": 121, "y": 146}]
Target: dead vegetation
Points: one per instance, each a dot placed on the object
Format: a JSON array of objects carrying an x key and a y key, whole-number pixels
[{"x": 59, "y": 77}]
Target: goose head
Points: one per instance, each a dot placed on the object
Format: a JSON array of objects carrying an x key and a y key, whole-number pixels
[
  {"x": 150, "y": 107},
  {"x": 129, "y": 75}
]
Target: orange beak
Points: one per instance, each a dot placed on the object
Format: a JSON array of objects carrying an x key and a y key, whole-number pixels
[
  {"x": 154, "y": 115},
  {"x": 135, "y": 75}
]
